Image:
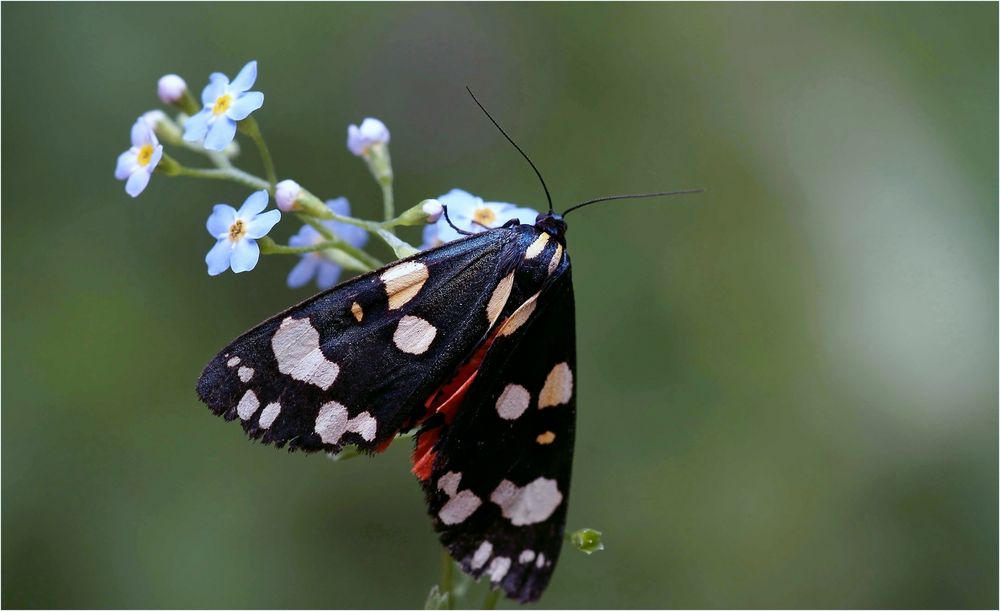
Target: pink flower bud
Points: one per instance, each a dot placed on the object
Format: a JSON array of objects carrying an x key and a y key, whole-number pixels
[
  {"x": 433, "y": 209},
  {"x": 171, "y": 88},
  {"x": 286, "y": 193}
]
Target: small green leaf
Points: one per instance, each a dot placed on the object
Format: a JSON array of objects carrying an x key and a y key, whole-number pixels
[{"x": 587, "y": 540}]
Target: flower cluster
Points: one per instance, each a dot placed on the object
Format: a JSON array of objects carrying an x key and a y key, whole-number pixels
[{"x": 330, "y": 240}]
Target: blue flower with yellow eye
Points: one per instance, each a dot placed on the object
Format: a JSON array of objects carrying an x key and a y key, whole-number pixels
[
  {"x": 225, "y": 103},
  {"x": 315, "y": 264},
  {"x": 237, "y": 232},
  {"x": 136, "y": 165},
  {"x": 470, "y": 213}
]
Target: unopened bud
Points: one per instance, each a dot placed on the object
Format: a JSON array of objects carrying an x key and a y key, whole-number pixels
[
  {"x": 424, "y": 213},
  {"x": 171, "y": 88},
  {"x": 286, "y": 194},
  {"x": 433, "y": 209}
]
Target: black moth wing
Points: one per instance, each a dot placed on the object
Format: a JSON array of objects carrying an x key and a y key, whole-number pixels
[
  {"x": 354, "y": 364},
  {"x": 500, "y": 482}
]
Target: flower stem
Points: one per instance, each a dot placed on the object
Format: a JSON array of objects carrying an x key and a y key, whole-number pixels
[
  {"x": 490, "y": 600},
  {"x": 231, "y": 174},
  {"x": 388, "y": 204},
  {"x": 250, "y": 127},
  {"x": 365, "y": 262},
  {"x": 448, "y": 579},
  {"x": 357, "y": 253}
]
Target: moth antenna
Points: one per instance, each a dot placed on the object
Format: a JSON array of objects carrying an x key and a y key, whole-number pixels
[
  {"x": 448, "y": 220},
  {"x": 630, "y": 196},
  {"x": 511, "y": 140}
]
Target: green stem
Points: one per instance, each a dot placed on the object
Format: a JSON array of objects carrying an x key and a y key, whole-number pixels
[
  {"x": 270, "y": 247},
  {"x": 230, "y": 174},
  {"x": 448, "y": 579},
  {"x": 250, "y": 127},
  {"x": 357, "y": 253},
  {"x": 388, "y": 204},
  {"x": 490, "y": 600}
]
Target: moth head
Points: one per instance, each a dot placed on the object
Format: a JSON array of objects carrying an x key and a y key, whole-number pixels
[{"x": 553, "y": 224}]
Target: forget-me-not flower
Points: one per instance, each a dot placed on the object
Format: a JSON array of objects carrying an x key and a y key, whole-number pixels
[
  {"x": 137, "y": 164},
  {"x": 314, "y": 264},
  {"x": 237, "y": 232},
  {"x": 372, "y": 132},
  {"x": 472, "y": 214},
  {"x": 224, "y": 103}
]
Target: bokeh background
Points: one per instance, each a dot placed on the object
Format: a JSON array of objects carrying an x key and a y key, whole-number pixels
[{"x": 788, "y": 385}]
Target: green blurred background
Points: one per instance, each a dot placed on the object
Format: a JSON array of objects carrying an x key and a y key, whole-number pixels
[{"x": 788, "y": 385}]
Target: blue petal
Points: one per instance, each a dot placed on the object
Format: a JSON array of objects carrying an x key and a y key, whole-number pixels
[
  {"x": 460, "y": 203},
  {"x": 218, "y": 257},
  {"x": 262, "y": 223},
  {"x": 303, "y": 271},
  {"x": 306, "y": 236},
  {"x": 126, "y": 161},
  {"x": 222, "y": 217},
  {"x": 245, "y": 79},
  {"x": 197, "y": 126},
  {"x": 430, "y": 236},
  {"x": 353, "y": 235},
  {"x": 245, "y": 255},
  {"x": 217, "y": 84},
  {"x": 245, "y": 104},
  {"x": 155, "y": 159},
  {"x": 253, "y": 205},
  {"x": 141, "y": 134},
  {"x": 339, "y": 205},
  {"x": 446, "y": 233},
  {"x": 221, "y": 134},
  {"x": 137, "y": 182},
  {"x": 328, "y": 274}
]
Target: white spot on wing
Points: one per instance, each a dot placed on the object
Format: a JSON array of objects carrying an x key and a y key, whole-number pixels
[
  {"x": 526, "y": 556},
  {"x": 449, "y": 482},
  {"x": 233, "y": 362},
  {"x": 531, "y": 504},
  {"x": 414, "y": 335},
  {"x": 245, "y": 373},
  {"x": 403, "y": 282},
  {"x": 332, "y": 422},
  {"x": 357, "y": 311},
  {"x": 363, "y": 424},
  {"x": 498, "y": 568},
  {"x": 541, "y": 560},
  {"x": 499, "y": 298},
  {"x": 482, "y": 554},
  {"x": 520, "y": 316},
  {"x": 247, "y": 405},
  {"x": 537, "y": 246},
  {"x": 268, "y": 414},
  {"x": 459, "y": 507},
  {"x": 513, "y": 401},
  {"x": 558, "y": 387},
  {"x": 296, "y": 348}
]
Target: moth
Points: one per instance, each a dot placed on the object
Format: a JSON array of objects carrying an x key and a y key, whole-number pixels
[{"x": 472, "y": 346}]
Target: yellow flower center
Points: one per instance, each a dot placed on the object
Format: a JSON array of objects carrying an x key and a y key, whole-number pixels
[
  {"x": 237, "y": 230},
  {"x": 222, "y": 104},
  {"x": 145, "y": 154},
  {"x": 484, "y": 216}
]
